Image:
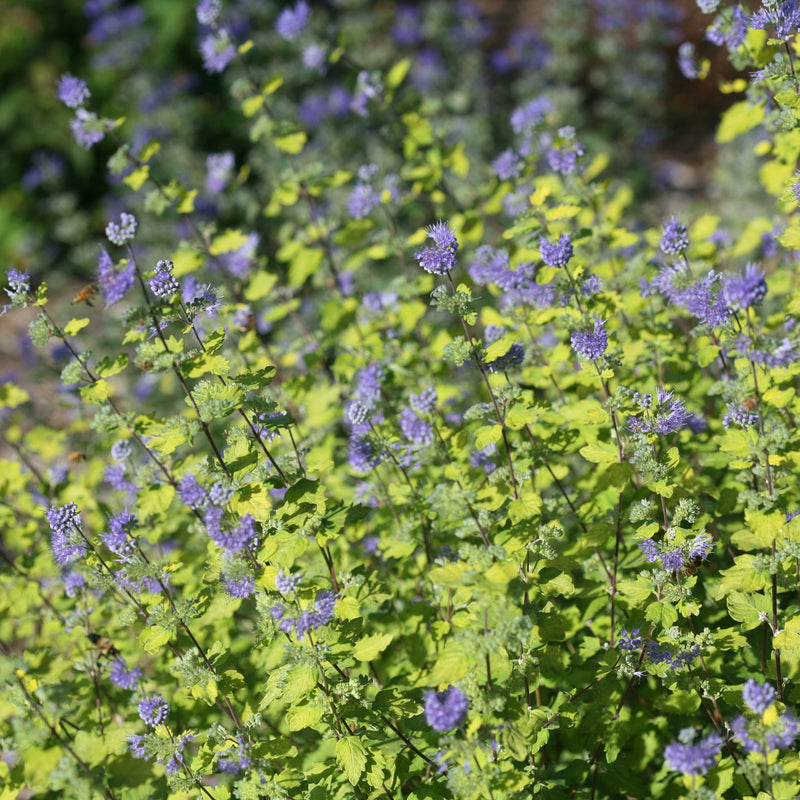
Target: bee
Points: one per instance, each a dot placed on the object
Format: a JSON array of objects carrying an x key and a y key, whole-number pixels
[
  {"x": 85, "y": 295},
  {"x": 750, "y": 403},
  {"x": 76, "y": 457},
  {"x": 104, "y": 645},
  {"x": 692, "y": 567}
]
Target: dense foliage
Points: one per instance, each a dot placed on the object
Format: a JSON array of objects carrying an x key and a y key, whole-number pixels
[{"x": 391, "y": 451}]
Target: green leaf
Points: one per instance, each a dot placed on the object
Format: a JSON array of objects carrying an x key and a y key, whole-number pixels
[
  {"x": 304, "y": 264},
  {"x": 75, "y": 325},
  {"x": 600, "y": 453},
  {"x": 292, "y": 143},
  {"x": 203, "y": 363},
  {"x": 154, "y": 638},
  {"x": 107, "y": 368},
  {"x": 351, "y": 757},
  {"x": 488, "y": 434},
  {"x": 12, "y": 396},
  {"x": 137, "y": 178},
  {"x": 738, "y": 119},
  {"x": 261, "y": 284},
  {"x": 155, "y": 499},
  {"x": 227, "y": 242},
  {"x": 96, "y": 393},
  {"x": 370, "y": 647},
  {"x": 397, "y": 73},
  {"x": 303, "y": 716}
]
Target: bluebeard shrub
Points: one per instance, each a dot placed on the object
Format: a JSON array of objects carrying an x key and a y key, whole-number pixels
[{"x": 425, "y": 467}]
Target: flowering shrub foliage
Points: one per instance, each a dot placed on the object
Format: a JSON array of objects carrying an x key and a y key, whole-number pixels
[{"x": 396, "y": 462}]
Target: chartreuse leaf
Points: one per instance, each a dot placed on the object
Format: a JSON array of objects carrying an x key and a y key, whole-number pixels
[
  {"x": 12, "y": 396},
  {"x": 303, "y": 716},
  {"x": 351, "y": 757},
  {"x": 370, "y": 647},
  {"x": 75, "y": 325}
]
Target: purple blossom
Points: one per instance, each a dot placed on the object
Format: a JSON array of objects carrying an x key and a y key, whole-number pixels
[
  {"x": 668, "y": 416},
  {"x": 65, "y": 540},
  {"x": 72, "y": 91},
  {"x": 217, "y": 52},
  {"x": 163, "y": 284},
  {"x": 240, "y": 262},
  {"x": 590, "y": 344},
  {"x": 136, "y": 746},
  {"x": 511, "y": 359},
  {"x": 87, "y": 128},
  {"x": 123, "y": 231},
  {"x": 114, "y": 282},
  {"x": 740, "y": 416},
  {"x": 153, "y": 710},
  {"x": 730, "y": 32},
  {"x": 445, "y": 710},
  {"x": 628, "y": 642},
  {"x": 441, "y": 259},
  {"x": 287, "y": 584},
  {"x": 240, "y": 588},
  {"x": 122, "y": 677},
  {"x": 219, "y": 169},
  {"x": 745, "y": 290},
  {"x": 116, "y": 539},
  {"x": 557, "y": 254},
  {"x": 414, "y": 428},
  {"x": 675, "y": 238},
  {"x": 207, "y": 11},
  {"x": 782, "y": 732},
  {"x": 73, "y": 582},
  {"x": 687, "y": 61},
  {"x": 483, "y": 458},
  {"x": 19, "y": 282},
  {"x": 191, "y": 493},
  {"x": 650, "y": 550},
  {"x": 318, "y": 616},
  {"x": 507, "y": 165},
  {"x": 362, "y": 200},
  {"x": 700, "y": 546},
  {"x": 694, "y": 759},
  {"x": 292, "y": 21},
  {"x": 424, "y": 402},
  {"x": 672, "y": 560},
  {"x": 234, "y": 539},
  {"x": 783, "y": 16},
  {"x": 121, "y": 451},
  {"x": 488, "y": 264},
  {"x": 526, "y": 117},
  {"x": 756, "y": 697},
  {"x": 407, "y": 26}
]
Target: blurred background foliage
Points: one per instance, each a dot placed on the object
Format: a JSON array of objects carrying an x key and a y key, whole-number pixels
[{"x": 612, "y": 65}]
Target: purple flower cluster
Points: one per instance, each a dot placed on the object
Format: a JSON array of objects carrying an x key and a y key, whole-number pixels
[
  {"x": 287, "y": 584},
  {"x": 754, "y": 732},
  {"x": 673, "y": 558},
  {"x": 65, "y": 540},
  {"x": 440, "y": 259},
  {"x": 207, "y": 11},
  {"x": 191, "y": 492},
  {"x": 364, "y": 196},
  {"x": 445, "y": 710},
  {"x": 739, "y": 415},
  {"x": 117, "y": 538},
  {"x": 675, "y": 238},
  {"x": 666, "y": 416},
  {"x": 363, "y": 413},
  {"x": 698, "y": 297},
  {"x": 730, "y": 32},
  {"x": 72, "y": 91},
  {"x": 590, "y": 344},
  {"x": 233, "y": 761},
  {"x": 123, "y": 231},
  {"x": 693, "y": 759},
  {"x": 557, "y": 254},
  {"x": 114, "y": 282},
  {"x": 217, "y": 51},
  {"x": 87, "y": 128},
  {"x": 122, "y": 677},
  {"x": 219, "y": 169},
  {"x": 153, "y": 710},
  {"x": 163, "y": 284},
  {"x": 231, "y": 540},
  {"x": 745, "y": 290},
  {"x": 292, "y": 21},
  {"x": 318, "y": 616},
  {"x": 783, "y": 16},
  {"x": 414, "y": 428},
  {"x": 563, "y": 157}
]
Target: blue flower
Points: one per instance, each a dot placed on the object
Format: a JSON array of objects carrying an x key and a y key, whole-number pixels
[
  {"x": 287, "y": 584},
  {"x": 123, "y": 231},
  {"x": 217, "y": 52},
  {"x": 693, "y": 759},
  {"x": 445, "y": 710},
  {"x": 745, "y": 290},
  {"x": 163, "y": 284},
  {"x": 590, "y": 344},
  {"x": 441, "y": 259},
  {"x": 756, "y": 697},
  {"x": 292, "y": 21},
  {"x": 675, "y": 238},
  {"x": 114, "y": 283},
  {"x": 207, "y": 11},
  {"x": 219, "y": 168},
  {"x": 87, "y": 128},
  {"x": 122, "y": 677},
  {"x": 557, "y": 254},
  {"x": 72, "y": 91},
  {"x": 153, "y": 711}
]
